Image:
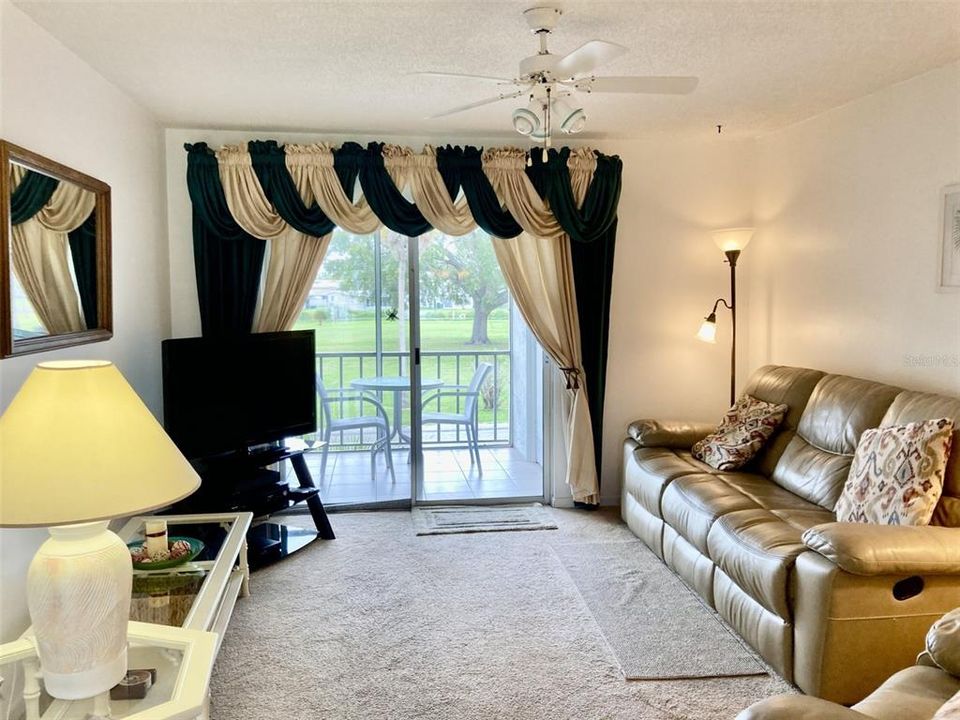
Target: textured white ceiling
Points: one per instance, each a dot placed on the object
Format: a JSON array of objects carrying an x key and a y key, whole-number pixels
[{"x": 340, "y": 66}]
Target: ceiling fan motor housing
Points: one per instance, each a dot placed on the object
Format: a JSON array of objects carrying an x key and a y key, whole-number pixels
[
  {"x": 542, "y": 19},
  {"x": 536, "y": 66}
]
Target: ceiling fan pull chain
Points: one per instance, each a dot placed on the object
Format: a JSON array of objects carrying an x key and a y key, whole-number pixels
[{"x": 549, "y": 129}]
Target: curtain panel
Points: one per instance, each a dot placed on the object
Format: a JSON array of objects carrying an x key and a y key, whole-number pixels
[
  {"x": 47, "y": 221},
  {"x": 557, "y": 209}
]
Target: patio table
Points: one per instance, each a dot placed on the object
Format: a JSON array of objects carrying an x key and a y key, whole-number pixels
[{"x": 396, "y": 384}]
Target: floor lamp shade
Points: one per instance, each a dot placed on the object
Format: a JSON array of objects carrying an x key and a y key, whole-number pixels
[{"x": 78, "y": 447}]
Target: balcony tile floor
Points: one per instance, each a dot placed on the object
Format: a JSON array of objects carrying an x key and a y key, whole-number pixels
[{"x": 448, "y": 475}]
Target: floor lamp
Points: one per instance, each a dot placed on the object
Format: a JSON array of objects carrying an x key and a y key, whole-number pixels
[{"x": 731, "y": 242}]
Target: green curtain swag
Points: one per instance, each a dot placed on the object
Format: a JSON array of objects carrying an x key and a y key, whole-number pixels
[
  {"x": 83, "y": 250},
  {"x": 466, "y": 167},
  {"x": 33, "y": 192},
  {"x": 228, "y": 273},
  {"x": 269, "y": 164},
  {"x": 228, "y": 260},
  {"x": 383, "y": 196}
]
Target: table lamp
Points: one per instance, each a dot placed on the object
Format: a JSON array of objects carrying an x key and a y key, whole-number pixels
[
  {"x": 78, "y": 447},
  {"x": 731, "y": 241}
]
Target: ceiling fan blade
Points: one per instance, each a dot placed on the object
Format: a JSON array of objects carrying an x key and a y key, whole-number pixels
[
  {"x": 463, "y": 76},
  {"x": 586, "y": 58},
  {"x": 498, "y": 98},
  {"x": 651, "y": 85}
]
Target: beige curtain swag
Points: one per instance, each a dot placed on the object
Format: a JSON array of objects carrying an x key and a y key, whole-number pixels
[
  {"x": 536, "y": 264},
  {"x": 294, "y": 258}
]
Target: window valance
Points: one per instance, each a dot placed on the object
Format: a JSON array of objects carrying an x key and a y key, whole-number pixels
[{"x": 264, "y": 187}]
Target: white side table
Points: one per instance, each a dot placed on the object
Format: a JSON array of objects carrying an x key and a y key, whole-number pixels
[{"x": 183, "y": 660}]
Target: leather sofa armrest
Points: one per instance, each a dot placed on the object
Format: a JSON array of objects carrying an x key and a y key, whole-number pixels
[
  {"x": 798, "y": 707},
  {"x": 668, "y": 433},
  {"x": 865, "y": 549}
]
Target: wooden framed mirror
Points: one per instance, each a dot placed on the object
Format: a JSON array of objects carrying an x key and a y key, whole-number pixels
[{"x": 55, "y": 274}]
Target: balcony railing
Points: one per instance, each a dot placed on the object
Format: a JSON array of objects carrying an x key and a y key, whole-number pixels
[{"x": 454, "y": 367}]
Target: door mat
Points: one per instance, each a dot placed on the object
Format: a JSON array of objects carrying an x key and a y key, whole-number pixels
[{"x": 474, "y": 519}]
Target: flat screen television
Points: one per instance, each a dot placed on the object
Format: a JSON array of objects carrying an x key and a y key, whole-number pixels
[{"x": 226, "y": 394}]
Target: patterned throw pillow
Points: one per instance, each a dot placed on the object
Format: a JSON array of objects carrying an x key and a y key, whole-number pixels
[
  {"x": 741, "y": 435},
  {"x": 897, "y": 474}
]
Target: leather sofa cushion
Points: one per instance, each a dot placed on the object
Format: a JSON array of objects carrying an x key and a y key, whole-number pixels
[
  {"x": 914, "y": 406},
  {"x": 757, "y": 549},
  {"x": 911, "y": 694},
  {"x": 780, "y": 385},
  {"x": 817, "y": 460},
  {"x": 692, "y": 503},
  {"x": 649, "y": 471}
]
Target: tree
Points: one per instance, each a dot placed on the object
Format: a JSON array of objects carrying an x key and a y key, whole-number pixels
[
  {"x": 454, "y": 271},
  {"x": 469, "y": 267}
]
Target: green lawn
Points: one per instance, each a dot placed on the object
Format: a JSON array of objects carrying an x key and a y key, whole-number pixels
[{"x": 441, "y": 330}]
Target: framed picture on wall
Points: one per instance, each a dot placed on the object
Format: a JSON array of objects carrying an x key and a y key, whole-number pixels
[{"x": 949, "y": 280}]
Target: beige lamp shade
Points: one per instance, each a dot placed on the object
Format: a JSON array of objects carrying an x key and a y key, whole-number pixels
[
  {"x": 77, "y": 444},
  {"x": 732, "y": 238}
]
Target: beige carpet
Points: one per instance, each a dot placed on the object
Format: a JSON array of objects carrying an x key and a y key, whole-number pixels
[
  {"x": 384, "y": 624},
  {"x": 641, "y": 606}
]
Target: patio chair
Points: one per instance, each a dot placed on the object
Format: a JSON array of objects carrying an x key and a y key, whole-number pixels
[
  {"x": 340, "y": 396},
  {"x": 468, "y": 418}
]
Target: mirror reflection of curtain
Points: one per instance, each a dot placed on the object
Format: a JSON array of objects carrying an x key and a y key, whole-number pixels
[
  {"x": 83, "y": 249},
  {"x": 39, "y": 245}
]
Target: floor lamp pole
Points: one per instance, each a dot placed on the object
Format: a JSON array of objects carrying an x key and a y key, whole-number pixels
[{"x": 732, "y": 256}]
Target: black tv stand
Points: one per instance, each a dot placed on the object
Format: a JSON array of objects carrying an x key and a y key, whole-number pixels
[{"x": 242, "y": 482}]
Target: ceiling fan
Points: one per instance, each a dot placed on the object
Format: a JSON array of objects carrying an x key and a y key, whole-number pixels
[{"x": 552, "y": 83}]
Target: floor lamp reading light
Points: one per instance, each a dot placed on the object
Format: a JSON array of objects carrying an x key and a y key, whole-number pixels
[
  {"x": 77, "y": 448},
  {"x": 731, "y": 242}
]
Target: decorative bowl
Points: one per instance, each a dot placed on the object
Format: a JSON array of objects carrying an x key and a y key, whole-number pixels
[{"x": 196, "y": 547}]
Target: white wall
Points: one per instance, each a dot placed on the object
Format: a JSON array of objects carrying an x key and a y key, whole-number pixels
[
  {"x": 55, "y": 104},
  {"x": 844, "y": 262},
  {"x": 667, "y": 274}
]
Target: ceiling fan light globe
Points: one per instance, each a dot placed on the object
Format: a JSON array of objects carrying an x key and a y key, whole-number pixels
[
  {"x": 525, "y": 121},
  {"x": 539, "y": 135},
  {"x": 574, "y": 122}
]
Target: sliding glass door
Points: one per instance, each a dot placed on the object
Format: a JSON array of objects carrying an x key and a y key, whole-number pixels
[
  {"x": 477, "y": 406},
  {"x": 429, "y": 385}
]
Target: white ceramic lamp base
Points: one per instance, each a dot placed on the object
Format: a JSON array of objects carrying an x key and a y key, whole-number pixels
[{"x": 78, "y": 594}]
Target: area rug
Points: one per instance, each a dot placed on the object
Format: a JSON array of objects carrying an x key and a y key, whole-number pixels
[
  {"x": 380, "y": 624},
  {"x": 649, "y": 617},
  {"x": 474, "y": 519}
]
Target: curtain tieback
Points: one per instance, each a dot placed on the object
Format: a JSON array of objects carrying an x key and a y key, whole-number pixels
[{"x": 572, "y": 376}]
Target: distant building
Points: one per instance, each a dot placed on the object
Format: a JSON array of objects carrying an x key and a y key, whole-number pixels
[{"x": 327, "y": 294}]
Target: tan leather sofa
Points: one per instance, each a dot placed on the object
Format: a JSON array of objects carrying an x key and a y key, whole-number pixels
[
  {"x": 915, "y": 693},
  {"x": 833, "y": 607}
]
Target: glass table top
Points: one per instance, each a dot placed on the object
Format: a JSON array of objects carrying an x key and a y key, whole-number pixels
[{"x": 166, "y": 597}]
